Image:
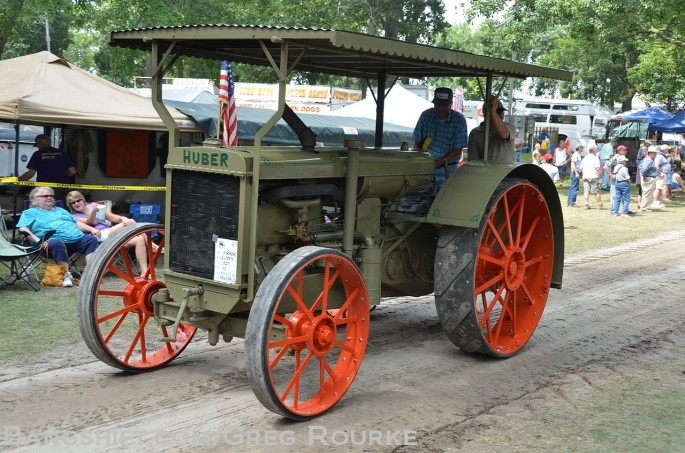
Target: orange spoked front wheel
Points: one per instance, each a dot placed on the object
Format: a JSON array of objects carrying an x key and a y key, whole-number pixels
[
  {"x": 115, "y": 302},
  {"x": 307, "y": 332},
  {"x": 493, "y": 282}
]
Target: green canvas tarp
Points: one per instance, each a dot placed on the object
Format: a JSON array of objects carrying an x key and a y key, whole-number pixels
[{"x": 330, "y": 130}]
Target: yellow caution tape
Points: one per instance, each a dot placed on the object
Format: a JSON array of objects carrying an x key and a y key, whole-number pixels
[{"x": 14, "y": 180}]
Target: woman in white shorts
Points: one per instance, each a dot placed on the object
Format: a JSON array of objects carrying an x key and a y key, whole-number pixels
[{"x": 104, "y": 226}]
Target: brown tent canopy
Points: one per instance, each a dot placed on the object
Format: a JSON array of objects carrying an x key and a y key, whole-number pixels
[{"x": 44, "y": 89}]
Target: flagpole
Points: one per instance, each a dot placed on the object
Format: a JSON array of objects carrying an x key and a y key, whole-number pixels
[{"x": 218, "y": 123}]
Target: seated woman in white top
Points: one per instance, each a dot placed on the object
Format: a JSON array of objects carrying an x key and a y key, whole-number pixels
[{"x": 87, "y": 213}]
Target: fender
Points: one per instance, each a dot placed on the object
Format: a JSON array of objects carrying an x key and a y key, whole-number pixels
[{"x": 464, "y": 196}]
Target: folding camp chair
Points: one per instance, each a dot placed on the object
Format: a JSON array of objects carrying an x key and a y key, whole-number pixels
[
  {"x": 146, "y": 213},
  {"x": 21, "y": 261},
  {"x": 4, "y": 231},
  {"x": 72, "y": 261}
]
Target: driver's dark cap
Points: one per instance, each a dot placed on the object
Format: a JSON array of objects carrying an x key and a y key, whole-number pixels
[{"x": 442, "y": 96}]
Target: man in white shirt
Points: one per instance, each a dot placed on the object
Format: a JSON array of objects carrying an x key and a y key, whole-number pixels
[
  {"x": 561, "y": 159},
  {"x": 591, "y": 176}
]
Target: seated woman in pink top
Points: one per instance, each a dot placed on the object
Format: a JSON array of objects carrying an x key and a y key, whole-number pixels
[{"x": 87, "y": 213}]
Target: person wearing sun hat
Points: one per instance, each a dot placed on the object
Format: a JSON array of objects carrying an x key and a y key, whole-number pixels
[
  {"x": 663, "y": 171},
  {"x": 441, "y": 132},
  {"x": 648, "y": 177}
]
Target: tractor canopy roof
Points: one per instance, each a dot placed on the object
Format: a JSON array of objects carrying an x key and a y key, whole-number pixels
[{"x": 324, "y": 51}]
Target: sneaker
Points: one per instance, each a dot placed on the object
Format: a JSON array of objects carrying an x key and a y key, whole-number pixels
[
  {"x": 657, "y": 205},
  {"x": 645, "y": 210},
  {"x": 600, "y": 206},
  {"x": 67, "y": 282},
  {"x": 587, "y": 206}
]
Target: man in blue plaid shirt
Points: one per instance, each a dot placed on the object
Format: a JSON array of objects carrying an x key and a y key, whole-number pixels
[{"x": 441, "y": 132}]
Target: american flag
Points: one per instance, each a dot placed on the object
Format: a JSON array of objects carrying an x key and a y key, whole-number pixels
[
  {"x": 459, "y": 100},
  {"x": 229, "y": 137}
]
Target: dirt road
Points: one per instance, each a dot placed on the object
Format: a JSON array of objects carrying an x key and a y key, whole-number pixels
[{"x": 611, "y": 336}]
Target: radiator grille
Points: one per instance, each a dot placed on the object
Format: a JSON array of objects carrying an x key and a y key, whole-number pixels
[{"x": 203, "y": 206}]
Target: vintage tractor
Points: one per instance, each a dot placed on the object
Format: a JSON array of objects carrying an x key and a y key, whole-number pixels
[{"x": 290, "y": 247}]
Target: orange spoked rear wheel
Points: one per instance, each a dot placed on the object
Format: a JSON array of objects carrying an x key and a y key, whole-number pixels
[{"x": 493, "y": 282}]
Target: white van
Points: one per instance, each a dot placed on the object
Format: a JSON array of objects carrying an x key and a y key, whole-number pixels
[
  {"x": 574, "y": 119},
  {"x": 602, "y": 117},
  {"x": 8, "y": 151}
]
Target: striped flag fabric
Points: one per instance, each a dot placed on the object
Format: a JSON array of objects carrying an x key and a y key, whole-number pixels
[
  {"x": 227, "y": 115},
  {"x": 459, "y": 100}
]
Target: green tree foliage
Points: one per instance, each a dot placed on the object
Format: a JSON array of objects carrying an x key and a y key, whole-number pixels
[
  {"x": 465, "y": 39},
  {"x": 23, "y": 29},
  {"x": 9, "y": 12},
  {"x": 408, "y": 20},
  {"x": 603, "y": 41},
  {"x": 120, "y": 65},
  {"x": 614, "y": 48},
  {"x": 660, "y": 76},
  {"x": 79, "y": 28}
]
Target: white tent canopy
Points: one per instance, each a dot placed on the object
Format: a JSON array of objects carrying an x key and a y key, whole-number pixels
[
  {"x": 402, "y": 107},
  {"x": 47, "y": 90}
]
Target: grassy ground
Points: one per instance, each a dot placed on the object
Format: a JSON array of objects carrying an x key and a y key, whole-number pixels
[
  {"x": 34, "y": 321},
  {"x": 594, "y": 228}
]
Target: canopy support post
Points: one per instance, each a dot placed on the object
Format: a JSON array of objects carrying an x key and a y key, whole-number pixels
[
  {"x": 158, "y": 61},
  {"x": 380, "y": 109}
]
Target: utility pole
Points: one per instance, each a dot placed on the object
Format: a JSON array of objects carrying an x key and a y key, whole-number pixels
[
  {"x": 47, "y": 34},
  {"x": 512, "y": 86}
]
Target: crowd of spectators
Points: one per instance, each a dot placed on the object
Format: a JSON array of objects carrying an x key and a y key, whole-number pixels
[{"x": 656, "y": 173}]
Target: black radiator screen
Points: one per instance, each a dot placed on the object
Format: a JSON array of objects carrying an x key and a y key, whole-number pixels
[{"x": 203, "y": 206}]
